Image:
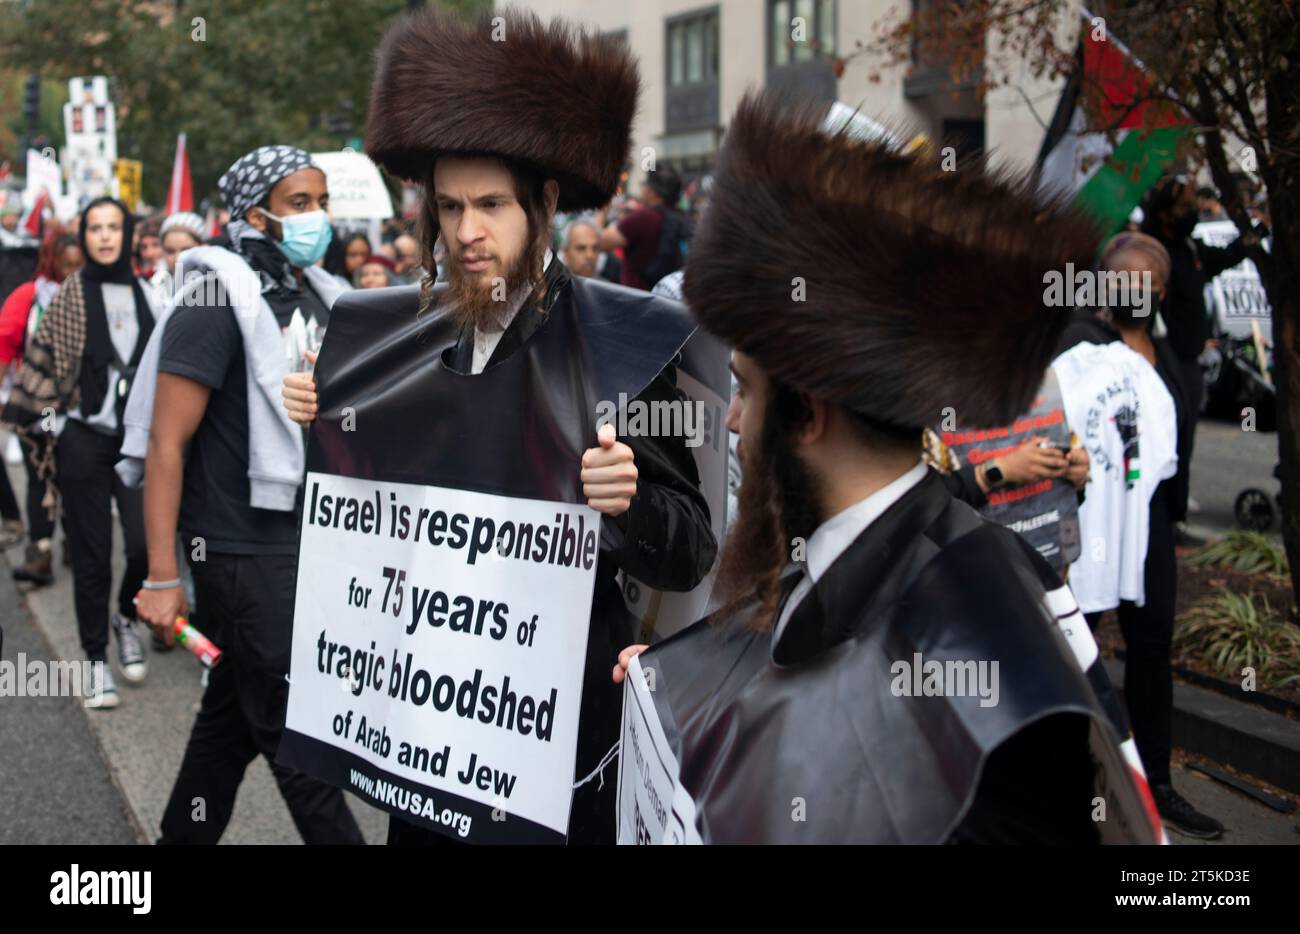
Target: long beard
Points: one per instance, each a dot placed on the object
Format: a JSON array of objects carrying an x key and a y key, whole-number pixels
[
  {"x": 778, "y": 502},
  {"x": 473, "y": 301}
]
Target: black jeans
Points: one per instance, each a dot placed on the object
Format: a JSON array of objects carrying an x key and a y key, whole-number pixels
[
  {"x": 1193, "y": 390},
  {"x": 1148, "y": 636},
  {"x": 247, "y": 605},
  {"x": 89, "y": 485}
]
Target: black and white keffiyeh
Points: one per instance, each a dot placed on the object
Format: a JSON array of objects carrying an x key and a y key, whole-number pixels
[{"x": 247, "y": 182}]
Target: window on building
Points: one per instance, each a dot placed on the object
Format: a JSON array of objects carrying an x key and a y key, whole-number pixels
[
  {"x": 693, "y": 48},
  {"x": 800, "y": 31}
]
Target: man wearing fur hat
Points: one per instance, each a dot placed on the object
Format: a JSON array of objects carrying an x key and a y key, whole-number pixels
[
  {"x": 506, "y": 361},
  {"x": 906, "y": 680}
]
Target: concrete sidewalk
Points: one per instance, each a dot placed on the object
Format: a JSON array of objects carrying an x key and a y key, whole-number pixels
[{"x": 144, "y": 739}]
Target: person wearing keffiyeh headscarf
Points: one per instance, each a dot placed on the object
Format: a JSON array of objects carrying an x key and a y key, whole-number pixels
[
  {"x": 74, "y": 383},
  {"x": 220, "y": 360}
]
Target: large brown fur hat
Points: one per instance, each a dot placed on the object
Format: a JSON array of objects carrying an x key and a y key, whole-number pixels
[
  {"x": 544, "y": 93},
  {"x": 923, "y": 289}
]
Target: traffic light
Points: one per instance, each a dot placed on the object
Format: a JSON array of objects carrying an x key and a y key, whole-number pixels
[{"x": 32, "y": 102}]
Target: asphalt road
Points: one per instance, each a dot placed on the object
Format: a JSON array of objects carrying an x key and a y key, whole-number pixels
[
  {"x": 142, "y": 741},
  {"x": 1225, "y": 461}
]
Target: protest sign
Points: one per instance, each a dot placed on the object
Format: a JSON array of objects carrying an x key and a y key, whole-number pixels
[
  {"x": 1045, "y": 513},
  {"x": 653, "y": 806},
  {"x": 447, "y": 585},
  {"x": 356, "y": 188},
  {"x": 439, "y": 638}
]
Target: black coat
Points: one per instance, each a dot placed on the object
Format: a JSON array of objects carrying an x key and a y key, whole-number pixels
[
  {"x": 1192, "y": 265},
  {"x": 583, "y": 341},
  {"x": 667, "y": 543},
  {"x": 816, "y": 716}
]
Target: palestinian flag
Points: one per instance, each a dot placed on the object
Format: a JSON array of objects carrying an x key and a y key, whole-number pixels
[{"x": 1108, "y": 91}]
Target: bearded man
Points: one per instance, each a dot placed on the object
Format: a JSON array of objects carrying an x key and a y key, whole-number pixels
[
  {"x": 907, "y": 679},
  {"x": 502, "y": 367}
]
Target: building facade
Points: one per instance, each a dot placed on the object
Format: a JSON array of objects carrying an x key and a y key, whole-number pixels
[{"x": 698, "y": 58}]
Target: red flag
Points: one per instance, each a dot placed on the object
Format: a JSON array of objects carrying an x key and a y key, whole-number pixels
[
  {"x": 31, "y": 221},
  {"x": 180, "y": 194}
]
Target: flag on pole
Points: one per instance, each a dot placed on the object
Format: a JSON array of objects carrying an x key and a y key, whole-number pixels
[
  {"x": 180, "y": 193},
  {"x": 1108, "y": 91},
  {"x": 30, "y": 223}
]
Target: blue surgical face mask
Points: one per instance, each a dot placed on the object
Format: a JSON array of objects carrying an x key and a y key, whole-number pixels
[{"x": 306, "y": 236}]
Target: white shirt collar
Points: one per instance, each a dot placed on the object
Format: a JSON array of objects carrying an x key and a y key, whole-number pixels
[
  {"x": 837, "y": 533},
  {"x": 840, "y": 531}
]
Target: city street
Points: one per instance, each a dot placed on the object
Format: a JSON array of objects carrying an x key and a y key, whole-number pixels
[{"x": 74, "y": 776}]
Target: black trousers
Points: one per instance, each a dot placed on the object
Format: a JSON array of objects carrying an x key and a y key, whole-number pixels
[
  {"x": 1148, "y": 642},
  {"x": 40, "y": 524},
  {"x": 248, "y": 613},
  {"x": 1193, "y": 391},
  {"x": 89, "y": 485}
]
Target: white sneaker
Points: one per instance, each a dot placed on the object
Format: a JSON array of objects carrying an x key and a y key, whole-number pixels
[
  {"x": 130, "y": 649},
  {"x": 101, "y": 693}
]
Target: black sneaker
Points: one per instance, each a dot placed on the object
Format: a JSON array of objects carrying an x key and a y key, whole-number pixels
[
  {"x": 130, "y": 649},
  {"x": 1178, "y": 814}
]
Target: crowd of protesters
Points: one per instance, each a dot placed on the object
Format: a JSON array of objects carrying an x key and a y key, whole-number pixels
[{"x": 73, "y": 337}]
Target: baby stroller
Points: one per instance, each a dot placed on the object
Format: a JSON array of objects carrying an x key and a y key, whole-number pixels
[
  {"x": 1254, "y": 510},
  {"x": 1253, "y": 507}
]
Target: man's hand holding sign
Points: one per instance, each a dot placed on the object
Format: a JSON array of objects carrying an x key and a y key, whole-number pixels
[{"x": 609, "y": 474}]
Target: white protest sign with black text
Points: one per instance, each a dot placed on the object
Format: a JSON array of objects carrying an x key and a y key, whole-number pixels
[
  {"x": 653, "y": 806},
  {"x": 438, "y": 649}
]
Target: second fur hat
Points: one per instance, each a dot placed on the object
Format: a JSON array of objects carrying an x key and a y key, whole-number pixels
[{"x": 873, "y": 279}]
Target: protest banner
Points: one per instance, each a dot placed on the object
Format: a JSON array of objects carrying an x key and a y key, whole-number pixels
[
  {"x": 653, "y": 806},
  {"x": 448, "y": 559},
  {"x": 439, "y": 637},
  {"x": 1045, "y": 513}
]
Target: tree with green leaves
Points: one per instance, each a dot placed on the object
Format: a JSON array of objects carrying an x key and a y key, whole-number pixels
[{"x": 232, "y": 74}]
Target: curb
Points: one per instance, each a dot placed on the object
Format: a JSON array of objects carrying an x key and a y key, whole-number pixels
[{"x": 1244, "y": 736}]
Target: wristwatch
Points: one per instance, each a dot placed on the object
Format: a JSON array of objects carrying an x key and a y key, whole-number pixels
[{"x": 993, "y": 474}]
